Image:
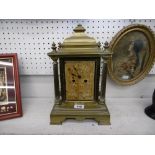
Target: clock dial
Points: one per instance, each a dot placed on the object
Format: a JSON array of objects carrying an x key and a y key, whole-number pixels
[{"x": 79, "y": 80}]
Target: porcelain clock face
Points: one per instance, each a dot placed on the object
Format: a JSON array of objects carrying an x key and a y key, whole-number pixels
[{"x": 79, "y": 80}]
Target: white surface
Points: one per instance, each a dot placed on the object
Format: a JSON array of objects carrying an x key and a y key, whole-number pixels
[
  {"x": 43, "y": 87},
  {"x": 32, "y": 39},
  {"x": 126, "y": 106},
  {"x": 127, "y": 117}
]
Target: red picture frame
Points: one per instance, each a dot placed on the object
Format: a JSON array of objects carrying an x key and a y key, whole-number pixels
[{"x": 10, "y": 96}]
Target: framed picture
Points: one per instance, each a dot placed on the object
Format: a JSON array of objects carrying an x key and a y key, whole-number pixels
[
  {"x": 133, "y": 56},
  {"x": 10, "y": 97}
]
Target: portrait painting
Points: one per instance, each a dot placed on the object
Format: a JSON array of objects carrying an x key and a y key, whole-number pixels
[{"x": 133, "y": 51}]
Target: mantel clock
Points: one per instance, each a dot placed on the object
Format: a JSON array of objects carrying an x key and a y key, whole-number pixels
[{"x": 78, "y": 92}]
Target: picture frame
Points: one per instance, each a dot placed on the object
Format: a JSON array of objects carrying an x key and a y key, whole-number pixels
[
  {"x": 133, "y": 56},
  {"x": 10, "y": 96}
]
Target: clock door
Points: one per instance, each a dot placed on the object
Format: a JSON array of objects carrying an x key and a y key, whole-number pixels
[{"x": 79, "y": 77}]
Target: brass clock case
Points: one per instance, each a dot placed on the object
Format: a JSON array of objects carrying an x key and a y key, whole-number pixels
[{"x": 79, "y": 96}]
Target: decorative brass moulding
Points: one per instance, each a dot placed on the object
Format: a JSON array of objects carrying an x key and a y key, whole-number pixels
[{"x": 79, "y": 96}]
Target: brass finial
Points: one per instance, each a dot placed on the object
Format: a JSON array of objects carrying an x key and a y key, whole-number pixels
[
  {"x": 106, "y": 45},
  {"x": 106, "y": 48},
  {"x": 79, "y": 28},
  {"x": 54, "y": 46}
]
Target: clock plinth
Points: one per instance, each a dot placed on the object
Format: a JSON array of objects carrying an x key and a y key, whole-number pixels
[
  {"x": 98, "y": 113},
  {"x": 80, "y": 95}
]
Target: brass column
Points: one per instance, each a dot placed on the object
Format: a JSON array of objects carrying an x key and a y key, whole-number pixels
[
  {"x": 56, "y": 76},
  {"x": 103, "y": 81},
  {"x": 107, "y": 55},
  {"x": 56, "y": 80}
]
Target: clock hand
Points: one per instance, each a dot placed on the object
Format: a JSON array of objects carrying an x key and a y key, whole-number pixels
[
  {"x": 73, "y": 74},
  {"x": 79, "y": 76}
]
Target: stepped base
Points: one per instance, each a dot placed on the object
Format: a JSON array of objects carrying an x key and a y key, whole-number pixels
[{"x": 98, "y": 113}]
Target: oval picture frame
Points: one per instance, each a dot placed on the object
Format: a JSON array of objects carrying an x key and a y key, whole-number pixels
[{"x": 133, "y": 54}]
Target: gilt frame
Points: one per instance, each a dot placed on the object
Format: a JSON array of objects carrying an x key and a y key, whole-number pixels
[{"x": 140, "y": 36}]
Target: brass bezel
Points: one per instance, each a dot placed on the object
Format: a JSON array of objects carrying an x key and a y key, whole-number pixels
[{"x": 151, "y": 38}]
